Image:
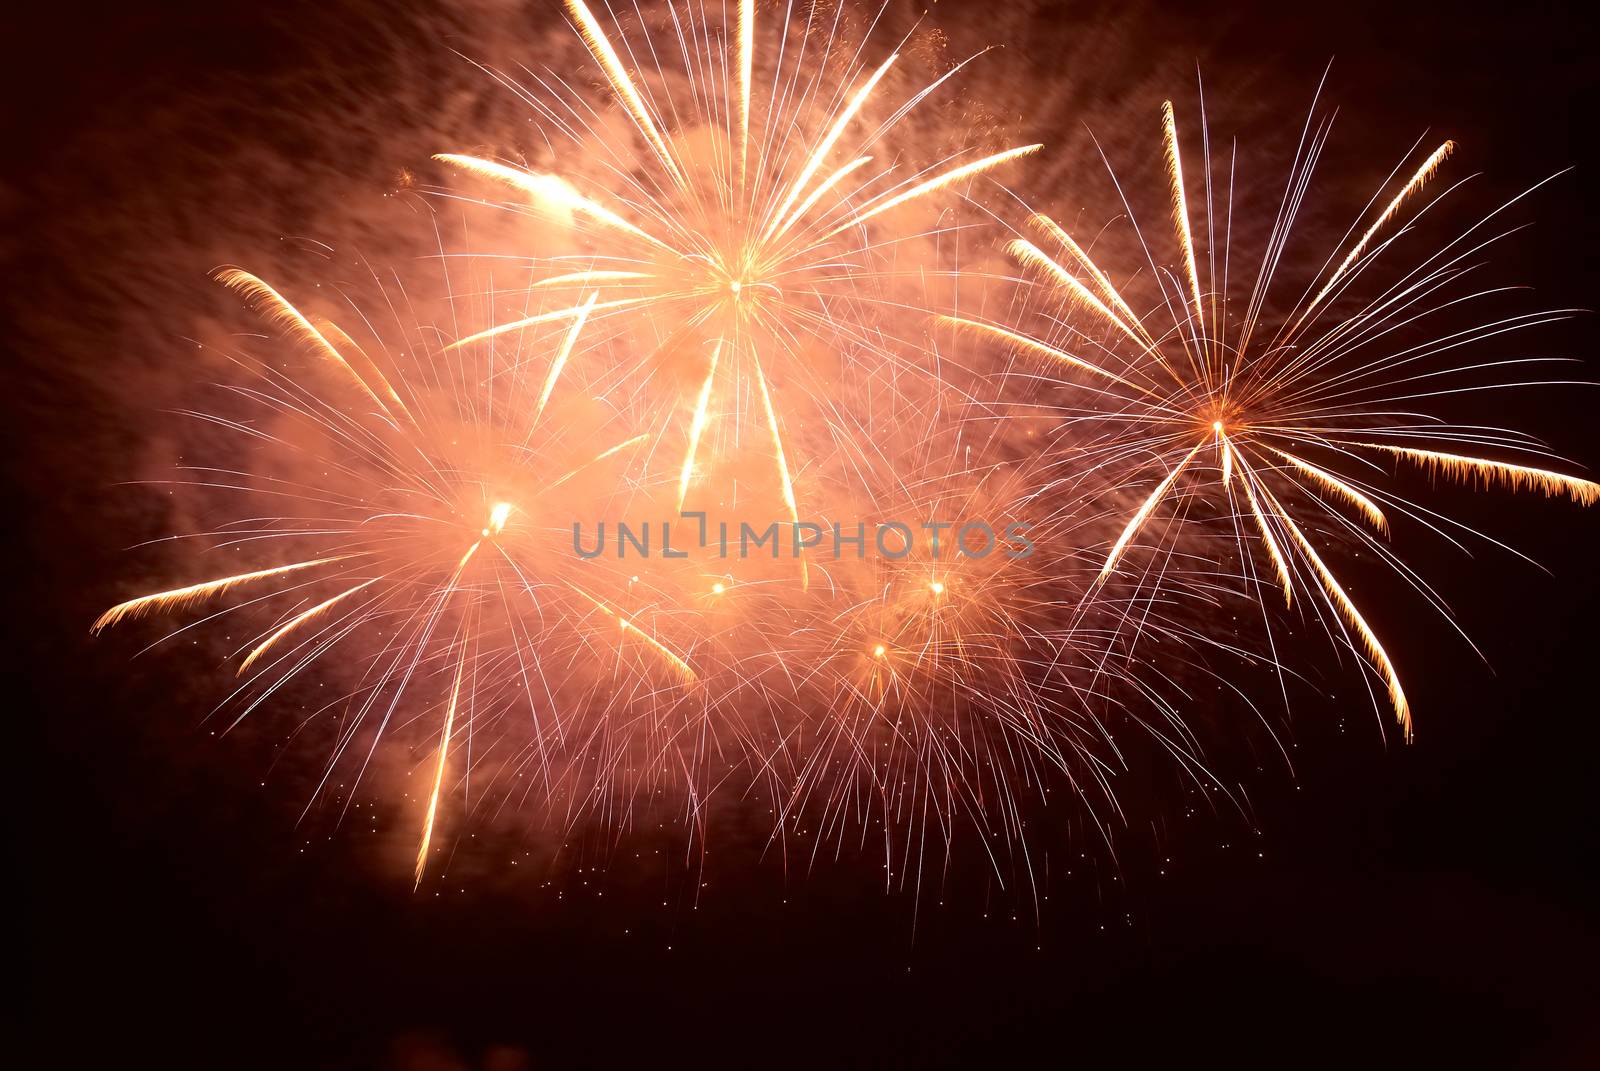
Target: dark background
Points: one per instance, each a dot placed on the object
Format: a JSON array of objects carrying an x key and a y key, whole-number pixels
[{"x": 1424, "y": 904}]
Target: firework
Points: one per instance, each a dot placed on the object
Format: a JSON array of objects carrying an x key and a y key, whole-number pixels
[
  {"x": 719, "y": 313},
  {"x": 408, "y": 499},
  {"x": 761, "y": 232},
  {"x": 1271, "y": 408}
]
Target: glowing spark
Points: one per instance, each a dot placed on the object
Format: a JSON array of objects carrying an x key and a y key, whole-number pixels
[
  {"x": 747, "y": 56},
  {"x": 301, "y": 619},
  {"x": 1028, "y": 253},
  {"x": 600, "y": 45},
  {"x": 1143, "y": 513},
  {"x": 822, "y": 189},
  {"x": 588, "y": 278},
  {"x": 1180, "y": 211},
  {"x": 542, "y": 318},
  {"x": 1429, "y": 168},
  {"x": 438, "y": 773},
  {"x": 1368, "y": 508},
  {"x": 181, "y": 597},
  {"x": 280, "y": 312},
  {"x": 825, "y": 146},
  {"x": 938, "y": 182},
  {"x": 1515, "y": 477},
  {"x": 782, "y": 463},
  {"x": 1024, "y": 342},
  {"x": 650, "y": 641},
  {"x": 1270, "y": 541},
  {"x": 497, "y": 519},
  {"x": 548, "y": 189},
  {"x": 697, "y": 425},
  {"x": 348, "y": 347},
  {"x": 636, "y": 440},
  {"x": 1051, "y": 227},
  {"x": 1369, "y": 639},
  {"x": 563, "y": 353}
]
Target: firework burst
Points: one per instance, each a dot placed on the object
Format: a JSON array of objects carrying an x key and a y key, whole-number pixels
[
  {"x": 1270, "y": 406},
  {"x": 414, "y": 507},
  {"x": 725, "y": 317},
  {"x": 741, "y": 213}
]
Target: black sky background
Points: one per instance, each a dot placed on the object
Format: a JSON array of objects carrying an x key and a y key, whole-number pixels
[{"x": 1426, "y": 905}]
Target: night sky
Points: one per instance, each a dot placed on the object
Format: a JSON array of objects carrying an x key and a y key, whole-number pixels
[{"x": 1430, "y": 904}]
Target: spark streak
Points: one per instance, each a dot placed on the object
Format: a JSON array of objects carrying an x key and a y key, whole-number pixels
[
  {"x": 1515, "y": 477},
  {"x": 301, "y": 619},
  {"x": 181, "y": 597},
  {"x": 1142, "y": 514},
  {"x": 438, "y": 772}
]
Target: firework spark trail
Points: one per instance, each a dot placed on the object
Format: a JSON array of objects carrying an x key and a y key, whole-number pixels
[
  {"x": 697, "y": 425},
  {"x": 1280, "y": 565},
  {"x": 1369, "y": 639},
  {"x": 1143, "y": 512},
  {"x": 277, "y": 310},
  {"x": 1180, "y": 220},
  {"x": 301, "y": 619},
  {"x": 180, "y": 597},
  {"x": 562, "y": 355},
  {"x": 1429, "y": 168},
  {"x": 438, "y": 773},
  {"x": 1013, "y": 338},
  {"x": 627, "y": 626},
  {"x": 1341, "y": 488},
  {"x": 1489, "y": 473}
]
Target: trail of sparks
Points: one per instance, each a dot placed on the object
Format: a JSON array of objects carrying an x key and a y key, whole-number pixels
[
  {"x": 179, "y": 598},
  {"x": 697, "y": 425},
  {"x": 301, "y": 619},
  {"x": 683, "y": 668},
  {"x": 1489, "y": 473},
  {"x": 438, "y": 772},
  {"x": 1180, "y": 215},
  {"x": 1429, "y": 168},
  {"x": 1142, "y": 514},
  {"x": 1369, "y": 639},
  {"x": 562, "y": 354}
]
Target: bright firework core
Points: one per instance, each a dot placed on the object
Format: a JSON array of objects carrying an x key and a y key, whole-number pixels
[{"x": 497, "y": 518}]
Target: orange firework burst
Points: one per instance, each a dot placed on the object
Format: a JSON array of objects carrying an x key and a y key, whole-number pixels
[
  {"x": 1271, "y": 408},
  {"x": 420, "y": 515},
  {"x": 725, "y": 257},
  {"x": 741, "y": 213}
]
